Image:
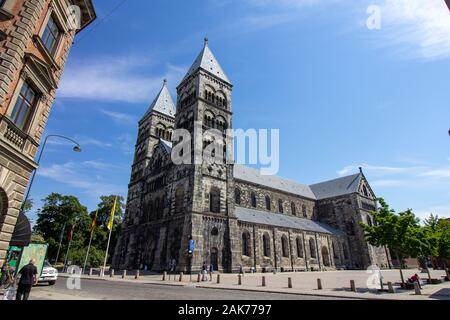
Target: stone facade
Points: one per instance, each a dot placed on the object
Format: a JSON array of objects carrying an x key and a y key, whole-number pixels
[
  {"x": 237, "y": 217},
  {"x": 29, "y": 58}
]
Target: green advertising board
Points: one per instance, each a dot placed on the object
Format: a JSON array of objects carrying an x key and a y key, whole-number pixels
[{"x": 34, "y": 251}]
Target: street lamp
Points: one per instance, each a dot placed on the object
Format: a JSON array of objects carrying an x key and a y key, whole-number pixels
[{"x": 76, "y": 148}]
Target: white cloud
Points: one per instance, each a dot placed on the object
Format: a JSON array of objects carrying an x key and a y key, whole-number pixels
[
  {"x": 438, "y": 173},
  {"x": 83, "y": 176},
  {"x": 440, "y": 210},
  {"x": 115, "y": 79},
  {"x": 418, "y": 27},
  {"x": 118, "y": 117},
  {"x": 376, "y": 169}
]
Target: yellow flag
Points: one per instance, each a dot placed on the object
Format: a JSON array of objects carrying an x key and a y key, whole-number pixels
[
  {"x": 111, "y": 216},
  {"x": 94, "y": 222}
]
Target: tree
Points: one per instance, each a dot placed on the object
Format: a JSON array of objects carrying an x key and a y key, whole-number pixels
[
  {"x": 27, "y": 205},
  {"x": 399, "y": 232},
  {"x": 56, "y": 218}
]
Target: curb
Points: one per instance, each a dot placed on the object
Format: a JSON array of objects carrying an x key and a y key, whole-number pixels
[{"x": 129, "y": 281}]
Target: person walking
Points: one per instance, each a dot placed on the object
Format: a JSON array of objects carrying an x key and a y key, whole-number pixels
[
  {"x": 204, "y": 271},
  {"x": 28, "y": 278}
]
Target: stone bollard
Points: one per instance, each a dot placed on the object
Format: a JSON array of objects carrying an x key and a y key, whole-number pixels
[
  {"x": 240, "y": 279},
  {"x": 111, "y": 273},
  {"x": 199, "y": 277},
  {"x": 181, "y": 277},
  {"x": 391, "y": 287},
  {"x": 218, "y": 278},
  {"x": 136, "y": 276},
  {"x": 124, "y": 274},
  {"x": 210, "y": 276},
  {"x": 90, "y": 272},
  {"x": 417, "y": 289},
  {"x": 319, "y": 284},
  {"x": 263, "y": 281},
  {"x": 164, "y": 276},
  {"x": 290, "y": 283},
  {"x": 352, "y": 285},
  {"x": 102, "y": 272}
]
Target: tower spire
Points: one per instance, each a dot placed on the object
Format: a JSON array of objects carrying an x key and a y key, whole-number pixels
[{"x": 206, "y": 41}]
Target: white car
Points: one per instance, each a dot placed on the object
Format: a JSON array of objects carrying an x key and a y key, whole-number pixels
[{"x": 49, "y": 274}]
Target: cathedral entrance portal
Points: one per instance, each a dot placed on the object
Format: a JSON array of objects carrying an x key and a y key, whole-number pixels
[{"x": 215, "y": 258}]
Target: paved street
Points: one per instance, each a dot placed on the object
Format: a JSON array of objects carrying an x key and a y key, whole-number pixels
[{"x": 106, "y": 290}]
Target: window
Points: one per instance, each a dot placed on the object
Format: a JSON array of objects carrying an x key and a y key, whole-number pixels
[
  {"x": 246, "y": 244},
  {"x": 266, "y": 245},
  {"x": 369, "y": 221},
  {"x": 268, "y": 205},
  {"x": 305, "y": 215},
  {"x": 280, "y": 206},
  {"x": 237, "y": 196},
  {"x": 51, "y": 35},
  {"x": 299, "y": 248},
  {"x": 312, "y": 248},
  {"x": 24, "y": 105},
  {"x": 284, "y": 246},
  {"x": 214, "y": 232},
  {"x": 335, "y": 253},
  {"x": 253, "y": 200},
  {"x": 214, "y": 200},
  {"x": 179, "y": 200},
  {"x": 293, "y": 209}
]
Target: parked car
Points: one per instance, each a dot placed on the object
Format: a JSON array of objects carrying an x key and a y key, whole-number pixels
[{"x": 49, "y": 274}]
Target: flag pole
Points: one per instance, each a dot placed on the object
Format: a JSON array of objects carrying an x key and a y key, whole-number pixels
[
  {"x": 67, "y": 252},
  {"x": 87, "y": 253},
  {"x": 110, "y": 227},
  {"x": 107, "y": 249}
]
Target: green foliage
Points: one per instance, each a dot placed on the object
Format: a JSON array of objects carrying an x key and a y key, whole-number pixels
[
  {"x": 59, "y": 213},
  {"x": 27, "y": 205}
]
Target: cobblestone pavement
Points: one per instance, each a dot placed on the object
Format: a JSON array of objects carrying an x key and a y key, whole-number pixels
[{"x": 336, "y": 284}]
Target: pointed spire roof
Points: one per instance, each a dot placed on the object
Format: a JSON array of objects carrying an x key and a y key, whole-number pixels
[
  {"x": 163, "y": 102},
  {"x": 207, "y": 62}
]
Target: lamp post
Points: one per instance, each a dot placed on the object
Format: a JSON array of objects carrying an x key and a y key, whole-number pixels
[{"x": 76, "y": 148}]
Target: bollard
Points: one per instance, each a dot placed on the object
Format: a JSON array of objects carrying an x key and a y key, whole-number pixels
[
  {"x": 181, "y": 276},
  {"x": 164, "y": 276},
  {"x": 240, "y": 280},
  {"x": 102, "y": 272},
  {"x": 199, "y": 277},
  {"x": 391, "y": 287},
  {"x": 111, "y": 273},
  {"x": 352, "y": 285},
  {"x": 124, "y": 274},
  {"x": 210, "y": 276},
  {"x": 218, "y": 278},
  {"x": 263, "y": 281},
  {"x": 417, "y": 289},
  {"x": 137, "y": 274},
  {"x": 319, "y": 284},
  {"x": 290, "y": 283},
  {"x": 90, "y": 272}
]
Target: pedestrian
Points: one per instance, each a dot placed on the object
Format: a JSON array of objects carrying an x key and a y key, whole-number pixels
[
  {"x": 204, "y": 271},
  {"x": 7, "y": 278},
  {"x": 28, "y": 278}
]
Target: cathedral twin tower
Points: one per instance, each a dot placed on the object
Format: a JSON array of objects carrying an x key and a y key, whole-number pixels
[{"x": 235, "y": 216}]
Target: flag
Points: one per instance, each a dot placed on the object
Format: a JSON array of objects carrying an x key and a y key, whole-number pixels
[
  {"x": 94, "y": 222},
  {"x": 111, "y": 216},
  {"x": 71, "y": 232}
]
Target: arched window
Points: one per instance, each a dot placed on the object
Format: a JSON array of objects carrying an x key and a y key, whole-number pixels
[
  {"x": 266, "y": 245},
  {"x": 335, "y": 253},
  {"x": 365, "y": 191},
  {"x": 253, "y": 199},
  {"x": 305, "y": 215},
  {"x": 214, "y": 200},
  {"x": 280, "y": 206},
  {"x": 284, "y": 246},
  {"x": 312, "y": 248},
  {"x": 237, "y": 196},
  {"x": 369, "y": 220},
  {"x": 293, "y": 209},
  {"x": 246, "y": 244},
  {"x": 346, "y": 255},
  {"x": 179, "y": 200},
  {"x": 214, "y": 232},
  {"x": 299, "y": 248},
  {"x": 325, "y": 257},
  {"x": 268, "y": 205}
]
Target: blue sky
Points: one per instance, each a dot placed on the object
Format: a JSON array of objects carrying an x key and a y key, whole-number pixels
[{"x": 342, "y": 95}]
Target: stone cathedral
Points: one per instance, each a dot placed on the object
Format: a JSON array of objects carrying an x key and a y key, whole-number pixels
[{"x": 236, "y": 216}]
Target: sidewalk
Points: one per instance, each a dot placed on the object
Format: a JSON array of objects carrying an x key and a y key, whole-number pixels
[{"x": 335, "y": 284}]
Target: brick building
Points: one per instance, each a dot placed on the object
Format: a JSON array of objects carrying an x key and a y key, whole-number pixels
[
  {"x": 237, "y": 216},
  {"x": 35, "y": 40}
]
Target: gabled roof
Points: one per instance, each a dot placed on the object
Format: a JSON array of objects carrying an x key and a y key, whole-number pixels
[
  {"x": 337, "y": 187},
  {"x": 284, "y": 221},
  {"x": 163, "y": 103},
  {"x": 207, "y": 62},
  {"x": 253, "y": 175}
]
